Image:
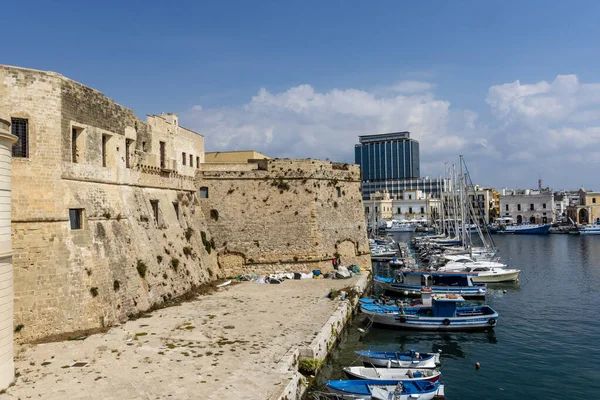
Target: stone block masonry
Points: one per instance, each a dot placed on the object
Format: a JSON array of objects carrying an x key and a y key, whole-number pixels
[
  {"x": 285, "y": 215},
  {"x": 112, "y": 215}
]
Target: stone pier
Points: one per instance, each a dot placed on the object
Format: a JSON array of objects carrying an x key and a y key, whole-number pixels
[{"x": 243, "y": 341}]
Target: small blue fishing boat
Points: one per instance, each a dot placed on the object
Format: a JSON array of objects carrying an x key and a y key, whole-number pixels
[
  {"x": 438, "y": 313},
  {"x": 398, "y": 359},
  {"x": 384, "y": 389},
  {"x": 410, "y": 283}
]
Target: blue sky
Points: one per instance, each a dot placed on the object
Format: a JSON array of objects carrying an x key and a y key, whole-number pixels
[{"x": 303, "y": 79}]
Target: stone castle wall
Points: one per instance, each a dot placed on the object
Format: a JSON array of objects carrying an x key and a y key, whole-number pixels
[
  {"x": 148, "y": 235},
  {"x": 70, "y": 280},
  {"x": 286, "y": 215}
]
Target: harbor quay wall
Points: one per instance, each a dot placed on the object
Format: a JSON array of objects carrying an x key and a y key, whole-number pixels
[
  {"x": 321, "y": 346},
  {"x": 285, "y": 215},
  {"x": 105, "y": 218}
]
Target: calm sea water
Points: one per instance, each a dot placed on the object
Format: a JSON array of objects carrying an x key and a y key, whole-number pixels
[{"x": 546, "y": 343}]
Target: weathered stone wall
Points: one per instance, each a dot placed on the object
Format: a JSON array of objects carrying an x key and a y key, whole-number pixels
[
  {"x": 288, "y": 215},
  {"x": 122, "y": 261},
  {"x": 263, "y": 216}
]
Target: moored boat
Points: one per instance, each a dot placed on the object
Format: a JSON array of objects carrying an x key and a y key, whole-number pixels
[
  {"x": 381, "y": 389},
  {"x": 410, "y": 283},
  {"x": 401, "y": 226},
  {"x": 590, "y": 229},
  {"x": 443, "y": 315},
  {"x": 409, "y": 374},
  {"x": 394, "y": 359},
  {"x": 527, "y": 229}
]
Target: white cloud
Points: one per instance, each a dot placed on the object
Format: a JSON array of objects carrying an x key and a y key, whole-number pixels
[
  {"x": 536, "y": 129},
  {"x": 302, "y": 122}
]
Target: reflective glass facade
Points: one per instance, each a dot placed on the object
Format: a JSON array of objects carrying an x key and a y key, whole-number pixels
[{"x": 391, "y": 162}]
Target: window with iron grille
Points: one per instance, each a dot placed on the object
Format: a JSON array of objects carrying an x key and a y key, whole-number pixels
[{"x": 20, "y": 128}]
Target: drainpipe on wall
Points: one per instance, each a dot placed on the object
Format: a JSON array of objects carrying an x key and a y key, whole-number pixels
[{"x": 7, "y": 368}]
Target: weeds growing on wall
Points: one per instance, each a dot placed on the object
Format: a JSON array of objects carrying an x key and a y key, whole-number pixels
[
  {"x": 188, "y": 233},
  {"x": 141, "y": 268}
]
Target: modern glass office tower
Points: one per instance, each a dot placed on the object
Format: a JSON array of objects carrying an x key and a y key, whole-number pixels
[{"x": 390, "y": 161}]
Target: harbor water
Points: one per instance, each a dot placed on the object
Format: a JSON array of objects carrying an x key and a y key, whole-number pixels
[{"x": 546, "y": 344}]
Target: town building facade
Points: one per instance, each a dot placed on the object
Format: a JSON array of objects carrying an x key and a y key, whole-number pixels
[
  {"x": 587, "y": 211},
  {"x": 533, "y": 206}
]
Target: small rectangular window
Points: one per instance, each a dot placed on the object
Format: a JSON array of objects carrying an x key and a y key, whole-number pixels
[
  {"x": 183, "y": 158},
  {"x": 191, "y": 160},
  {"x": 155, "y": 213},
  {"x": 544, "y": 205},
  {"x": 338, "y": 191},
  {"x": 399, "y": 212},
  {"x": 204, "y": 192},
  {"x": 75, "y": 218},
  {"x": 531, "y": 207},
  {"x": 143, "y": 146},
  {"x": 127, "y": 153},
  {"x": 422, "y": 210},
  {"x": 197, "y": 162},
  {"x": 163, "y": 155},
  {"x": 104, "y": 142},
  {"x": 410, "y": 209},
  {"x": 74, "y": 148},
  {"x": 506, "y": 207},
  {"x": 594, "y": 200},
  {"x": 20, "y": 128},
  {"x": 176, "y": 207}
]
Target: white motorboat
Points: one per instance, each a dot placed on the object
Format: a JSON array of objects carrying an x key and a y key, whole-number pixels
[
  {"x": 590, "y": 229},
  {"x": 402, "y": 226},
  {"x": 403, "y": 374},
  {"x": 487, "y": 271}
]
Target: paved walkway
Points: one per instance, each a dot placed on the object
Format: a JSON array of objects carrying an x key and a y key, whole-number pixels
[{"x": 221, "y": 346}]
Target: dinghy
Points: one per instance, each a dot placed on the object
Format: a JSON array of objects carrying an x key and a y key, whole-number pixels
[
  {"x": 394, "y": 359},
  {"x": 375, "y": 389},
  {"x": 391, "y": 374}
]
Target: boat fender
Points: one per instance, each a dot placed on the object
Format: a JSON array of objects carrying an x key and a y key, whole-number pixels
[
  {"x": 402, "y": 319},
  {"x": 446, "y": 322},
  {"x": 492, "y": 321}
]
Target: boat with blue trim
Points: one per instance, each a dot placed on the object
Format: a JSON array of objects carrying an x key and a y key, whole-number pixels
[
  {"x": 410, "y": 283},
  {"x": 438, "y": 313},
  {"x": 527, "y": 228},
  {"x": 590, "y": 229},
  {"x": 384, "y": 389},
  {"x": 399, "y": 374},
  {"x": 398, "y": 359}
]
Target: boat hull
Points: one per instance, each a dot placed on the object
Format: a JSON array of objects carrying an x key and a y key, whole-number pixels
[
  {"x": 404, "y": 374},
  {"x": 595, "y": 231},
  {"x": 527, "y": 230},
  {"x": 497, "y": 278},
  {"x": 402, "y": 229},
  {"x": 471, "y": 292},
  {"x": 382, "y": 389},
  {"x": 387, "y": 360},
  {"x": 412, "y": 322}
]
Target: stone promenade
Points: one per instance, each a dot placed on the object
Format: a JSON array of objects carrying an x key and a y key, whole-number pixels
[{"x": 232, "y": 344}]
